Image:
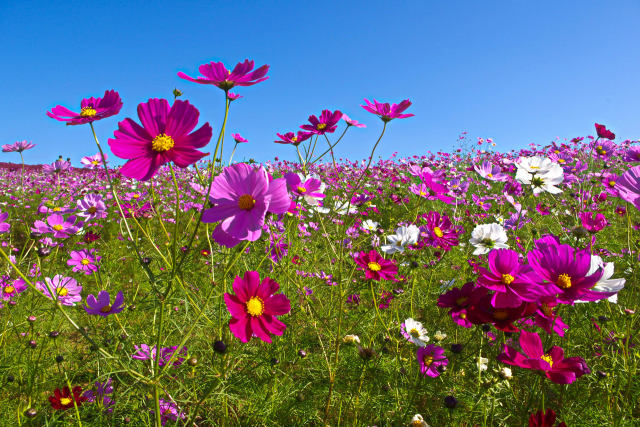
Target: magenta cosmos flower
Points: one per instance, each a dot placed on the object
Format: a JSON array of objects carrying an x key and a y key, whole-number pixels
[
  {"x": 327, "y": 123},
  {"x": 94, "y": 162},
  {"x": 57, "y": 225},
  {"x": 512, "y": 281},
  {"x": 460, "y": 301},
  {"x": 431, "y": 358},
  {"x": 351, "y": 122},
  {"x": 11, "y": 289},
  {"x": 56, "y": 167},
  {"x": 603, "y": 132},
  {"x": 66, "y": 289},
  {"x": 490, "y": 171},
  {"x": 376, "y": 267},
  {"x": 254, "y": 307},
  {"x": 308, "y": 187},
  {"x": 100, "y": 306},
  {"x": 292, "y": 138},
  {"x": 388, "y": 112},
  {"x": 440, "y": 232},
  {"x": 18, "y": 146},
  {"x": 91, "y": 109},
  {"x": 144, "y": 352},
  {"x": 555, "y": 366},
  {"x": 84, "y": 261},
  {"x": 4, "y": 226},
  {"x": 215, "y": 73},
  {"x": 163, "y": 137},
  {"x": 239, "y": 139},
  {"x": 629, "y": 186},
  {"x": 242, "y": 195}
]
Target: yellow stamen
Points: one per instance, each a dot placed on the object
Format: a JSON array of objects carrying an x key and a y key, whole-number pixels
[
  {"x": 612, "y": 183},
  {"x": 428, "y": 360},
  {"x": 564, "y": 281},
  {"x": 106, "y": 309},
  {"x": 57, "y": 209},
  {"x": 255, "y": 306},
  {"x": 374, "y": 266},
  {"x": 162, "y": 142},
  {"x": 438, "y": 232},
  {"x": 94, "y": 162},
  {"x": 548, "y": 311},
  {"x": 88, "y": 112},
  {"x": 9, "y": 289},
  {"x": 57, "y": 227},
  {"x": 85, "y": 261},
  {"x": 547, "y": 359},
  {"x": 63, "y": 292},
  {"x": 246, "y": 202},
  {"x": 64, "y": 401},
  {"x": 507, "y": 279},
  {"x": 321, "y": 126},
  {"x": 92, "y": 210},
  {"x": 301, "y": 189},
  {"x": 461, "y": 300},
  {"x": 294, "y": 139},
  {"x": 490, "y": 175},
  {"x": 414, "y": 333}
]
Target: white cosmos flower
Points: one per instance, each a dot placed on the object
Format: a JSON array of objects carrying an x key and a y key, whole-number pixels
[
  {"x": 369, "y": 225},
  {"x": 545, "y": 178},
  {"x": 481, "y": 363},
  {"x": 488, "y": 236},
  {"x": 414, "y": 332},
  {"x": 404, "y": 236},
  {"x": 418, "y": 421},
  {"x": 535, "y": 164},
  {"x": 606, "y": 283}
]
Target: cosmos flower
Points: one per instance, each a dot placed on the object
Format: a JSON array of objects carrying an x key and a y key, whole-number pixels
[
  {"x": 460, "y": 300},
  {"x": 605, "y": 283},
  {"x": 254, "y": 307},
  {"x": 632, "y": 154},
  {"x": 144, "y": 352},
  {"x": 238, "y": 139},
  {"x": 66, "y": 289},
  {"x": 169, "y": 411},
  {"x": 242, "y": 196},
  {"x": 629, "y": 186},
  {"x": 56, "y": 167},
  {"x": 327, "y": 123},
  {"x": 544, "y": 419},
  {"x": 4, "y": 226},
  {"x": 84, "y": 261},
  {"x": 431, "y": 357},
  {"x": 375, "y": 267},
  {"x": 414, "y": 332},
  {"x": 56, "y": 224},
  {"x": 405, "y": 236},
  {"x": 292, "y": 138},
  {"x": 91, "y": 109},
  {"x": 603, "y": 132},
  {"x": 552, "y": 362},
  {"x": 593, "y": 221},
  {"x": 10, "y": 289},
  {"x": 63, "y": 400},
  {"x": 548, "y": 180},
  {"x": 165, "y": 136},
  {"x": 94, "y": 162},
  {"x": 18, "y": 146},
  {"x": 215, "y": 73},
  {"x": 101, "y": 393},
  {"x": 310, "y": 188},
  {"x": 351, "y": 122},
  {"x": 489, "y": 171},
  {"x": 388, "y": 112},
  {"x": 91, "y": 207},
  {"x": 100, "y": 306},
  {"x": 486, "y": 237}
]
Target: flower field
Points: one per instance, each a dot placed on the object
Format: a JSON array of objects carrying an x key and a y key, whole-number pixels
[{"x": 184, "y": 287}]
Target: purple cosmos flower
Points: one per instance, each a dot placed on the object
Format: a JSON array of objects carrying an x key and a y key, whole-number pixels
[
  {"x": 564, "y": 271},
  {"x": 165, "y": 136},
  {"x": 11, "y": 289},
  {"x": 144, "y": 352},
  {"x": 4, "y": 226},
  {"x": 431, "y": 189},
  {"x": 101, "y": 394},
  {"x": 629, "y": 186},
  {"x": 631, "y": 155},
  {"x": 292, "y": 138},
  {"x": 94, "y": 162},
  {"x": 92, "y": 207},
  {"x": 169, "y": 411},
  {"x": 604, "y": 149},
  {"x": 309, "y": 188},
  {"x": 351, "y": 122},
  {"x": 510, "y": 279},
  {"x": 242, "y": 195},
  {"x": 56, "y": 167},
  {"x": 489, "y": 171},
  {"x": 430, "y": 358},
  {"x": 91, "y": 109},
  {"x": 555, "y": 366},
  {"x": 84, "y": 261},
  {"x": 327, "y": 123},
  {"x": 238, "y": 139},
  {"x": 18, "y": 146},
  {"x": 57, "y": 225},
  {"x": 66, "y": 289},
  {"x": 388, "y": 112},
  {"x": 215, "y": 73},
  {"x": 100, "y": 306}
]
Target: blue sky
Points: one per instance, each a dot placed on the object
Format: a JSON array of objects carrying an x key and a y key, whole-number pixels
[{"x": 517, "y": 71}]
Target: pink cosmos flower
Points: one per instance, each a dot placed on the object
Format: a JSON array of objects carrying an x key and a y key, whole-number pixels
[
  {"x": 84, "y": 261},
  {"x": 215, "y": 73},
  {"x": 388, "y": 112},
  {"x": 593, "y": 221},
  {"x": 57, "y": 225},
  {"x": 631, "y": 155},
  {"x": 310, "y": 189},
  {"x": 376, "y": 267},
  {"x": 92, "y": 207},
  {"x": 100, "y": 306},
  {"x": 4, "y": 226},
  {"x": 144, "y": 352},
  {"x": 629, "y": 186},
  {"x": 91, "y": 109},
  {"x": 431, "y": 358},
  {"x": 56, "y": 167},
  {"x": 238, "y": 139},
  {"x": 94, "y": 162},
  {"x": 292, "y": 138},
  {"x": 18, "y": 146},
  {"x": 254, "y": 307},
  {"x": 242, "y": 196},
  {"x": 351, "y": 122},
  {"x": 460, "y": 300},
  {"x": 489, "y": 171},
  {"x": 10, "y": 289},
  {"x": 603, "y": 132},
  {"x": 66, "y": 289},
  {"x": 163, "y": 137},
  {"x": 327, "y": 123},
  {"x": 440, "y": 232},
  {"x": 552, "y": 363}
]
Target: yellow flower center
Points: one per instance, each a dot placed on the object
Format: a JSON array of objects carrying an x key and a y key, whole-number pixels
[
  {"x": 136, "y": 196},
  {"x": 246, "y": 202},
  {"x": 106, "y": 309},
  {"x": 500, "y": 314},
  {"x": 534, "y": 167},
  {"x": 463, "y": 316},
  {"x": 64, "y": 401},
  {"x": 422, "y": 193},
  {"x": 301, "y": 189},
  {"x": 374, "y": 266},
  {"x": 321, "y": 126},
  {"x": 57, "y": 209},
  {"x": 547, "y": 359},
  {"x": 546, "y": 309},
  {"x": 612, "y": 183},
  {"x": 428, "y": 360},
  {"x": 63, "y": 292},
  {"x": 85, "y": 261},
  {"x": 557, "y": 152},
  {"x": 162, "y": 142},
  {"x": 57, "y": 227},
  {"x": 88, "y": 112},
  {"x": 438, "y": 232},
  {"x": 416, "y": 423},
  {"x": 9, "y": 289},
  {"x": 94, "y": 162},
  {"x": 490, "y": 175},
  {"x": 564, "y": 281},
  {"x": 294, "y": 139},
  {"x": 599, "y": 147},
  {"x": 255, "y": 306},
  {"x": 92, "y": 210},
  {"x": 461, "y": 300},
  {"x": 507, "y": 279},
  {"x": 414, "y": 333}
]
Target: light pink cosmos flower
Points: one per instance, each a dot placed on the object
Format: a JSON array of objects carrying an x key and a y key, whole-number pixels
[
  {"x": 94, "y": 162},
  {"x": 92, "y": 207},
  {"x": 18, "y": 146},
  {"x": 628, "y": 186},
  {"x": 351, "y": 122},
  {"x": 57, "y": 225},
  {"x": 84, "y": 261},
  {"x": 66, "y": 289},
  {"x": 242, "y": 196}
]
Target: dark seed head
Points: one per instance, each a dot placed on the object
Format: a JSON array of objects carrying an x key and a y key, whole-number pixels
[
  {"x": 602, "y": 374},
  {"x": 10, "y": 378},
  {"x": 33, "y": 344},
  {"x": 450, "y": 402},
  {"x": 220, "y": 347},
  {"x": 274, "y": 361},
  {"x": 193, "y": 361},
  {"x": 146, "y": 260},
  {"x": 54, "y": 334},
  {"x": 302, "y": 354},
  {"x": 59, "y": 358},
  {"x": 456, "y": 348}
]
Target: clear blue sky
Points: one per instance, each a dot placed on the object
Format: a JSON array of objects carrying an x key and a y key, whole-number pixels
[{"x": 518, "y": 71}]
